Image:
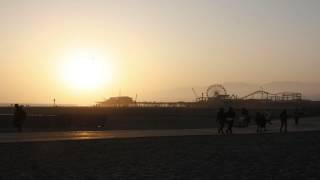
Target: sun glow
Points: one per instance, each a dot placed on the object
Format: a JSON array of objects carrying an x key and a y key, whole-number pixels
[{"x": 85, "y": 70}]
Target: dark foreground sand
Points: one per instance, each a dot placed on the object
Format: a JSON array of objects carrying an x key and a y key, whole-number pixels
[{"x": 269, "y": 156}]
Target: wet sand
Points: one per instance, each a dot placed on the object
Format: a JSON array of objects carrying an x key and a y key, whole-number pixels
[{"x": 269, "y": 156}]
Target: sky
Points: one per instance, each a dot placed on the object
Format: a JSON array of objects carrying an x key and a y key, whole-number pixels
[{"x": 152, "y": 45}]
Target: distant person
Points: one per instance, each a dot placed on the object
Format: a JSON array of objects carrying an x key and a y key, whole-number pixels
[
  {"x": 258, "y": 122},
  {"x": 263, "y": 121},
  {"x": 19, "y": 117},
  {"x": 230, "y": 116},
  {"x": 283, "y": 120},
  {"x": 221, "y": 118},
  {"x": 296, "y": 115},
  {"x": 268, "y": 117},
  {"x": 245, "y": 116},
  {"x": 16, "y": 116}
]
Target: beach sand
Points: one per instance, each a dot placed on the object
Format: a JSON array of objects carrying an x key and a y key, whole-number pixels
[{"x": 268, "y": 156}]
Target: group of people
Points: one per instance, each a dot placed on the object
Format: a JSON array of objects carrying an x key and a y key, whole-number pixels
[
  {"x": 261, "y": 118},
  {"x": 226, "y": 118},
  {"x": 19, "y": 117}
]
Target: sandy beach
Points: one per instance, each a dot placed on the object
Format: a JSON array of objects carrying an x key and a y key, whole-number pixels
[{"x": 269, "y": 156}]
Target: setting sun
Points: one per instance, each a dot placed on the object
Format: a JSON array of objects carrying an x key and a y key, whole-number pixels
[{"x": 85, "y": 70}]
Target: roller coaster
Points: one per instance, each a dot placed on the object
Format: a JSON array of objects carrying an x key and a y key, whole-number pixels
[
  {"x": 282, "y": 96},
  {"x": 218, "y": 92}
]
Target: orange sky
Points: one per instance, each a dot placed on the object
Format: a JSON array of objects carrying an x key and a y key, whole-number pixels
[{"x": 151, "y": 45}]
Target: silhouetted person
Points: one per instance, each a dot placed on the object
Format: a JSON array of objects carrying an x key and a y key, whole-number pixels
[
  {"x": 258, "y": 121},
  {"x": 245, "y": 116},
  {"x": 19, "y": 117},
  {"x": 268, "y": 117},
  {"x": 296, "y": 115},
  {"x": 283, "y": 120},
  {"x": 16, "y": 116},
  {"x": 263, "y": 122},
  {"x": 221, "y": 118},
  {"x": 230, "y": 116}
]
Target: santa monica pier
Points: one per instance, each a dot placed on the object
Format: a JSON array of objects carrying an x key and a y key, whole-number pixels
[{"x": 123, "y": 112}]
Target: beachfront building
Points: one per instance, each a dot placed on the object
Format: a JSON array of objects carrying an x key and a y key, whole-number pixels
[{"x": 119, "y": 101}]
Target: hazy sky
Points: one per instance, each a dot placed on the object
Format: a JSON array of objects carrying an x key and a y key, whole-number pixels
[{"x": 151, "y": 45}]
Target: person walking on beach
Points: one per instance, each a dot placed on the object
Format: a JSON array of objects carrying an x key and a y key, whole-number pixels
[
  {"x": 19, "y": 117},
  {"x": 296, "y": 115},
  {"x": 283, "y": 120},
  {"x": 268, "y": 116},
  {"x": 230, "y": 119},
  {"x": 263, "y": 121},
  {"x": 16, "y": 116},
  {"x": 245, "y": 116},
  {"x": 258, "y": 121},
  {"x": 221, "y": 118}
]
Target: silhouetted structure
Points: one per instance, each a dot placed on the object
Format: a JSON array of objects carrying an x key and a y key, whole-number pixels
[
  {"x": 122, "y": 101},
  {"x": 216, "y": 96},
  {"x": 213, "y": 92},
  {"x": 282, "y": 96}
]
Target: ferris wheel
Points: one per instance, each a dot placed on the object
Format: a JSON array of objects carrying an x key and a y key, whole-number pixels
[{"x": 216, "y": 90}]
